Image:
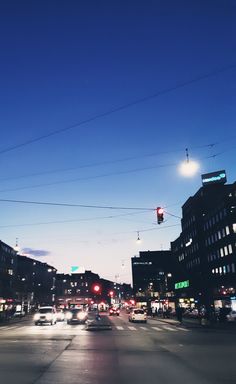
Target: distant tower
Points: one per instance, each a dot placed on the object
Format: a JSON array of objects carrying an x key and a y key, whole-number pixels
[{"x": 17, "y": 248}]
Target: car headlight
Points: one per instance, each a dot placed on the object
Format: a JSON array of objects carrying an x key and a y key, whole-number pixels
[
  {"x": 69, "y": 315},
  {"x": 36, "y": 316},
  {"x": 81, "y": 316},
  {"x": 49, "y": 316}
]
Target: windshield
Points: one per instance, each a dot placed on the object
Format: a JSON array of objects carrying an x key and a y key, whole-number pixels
[{"x": 45, "y": 310}]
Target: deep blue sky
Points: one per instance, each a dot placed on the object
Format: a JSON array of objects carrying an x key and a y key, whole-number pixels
[{"x": 63, "y": 62}]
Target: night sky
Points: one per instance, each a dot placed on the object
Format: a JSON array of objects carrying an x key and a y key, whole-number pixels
[{"x": 98, "y": 102}]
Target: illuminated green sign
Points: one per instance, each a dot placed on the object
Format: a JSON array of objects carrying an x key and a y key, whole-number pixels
[{"x": 182, "y": 284}]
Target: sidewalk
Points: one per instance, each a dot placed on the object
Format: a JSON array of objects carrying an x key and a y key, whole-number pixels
[
  {"x": 14, "y": 320},
  {"x": 195, "y": 323}
]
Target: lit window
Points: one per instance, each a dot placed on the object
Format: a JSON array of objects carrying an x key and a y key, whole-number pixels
[
  {"x": 216, "y": 270},
  {"x": 230, "y": 248},
  {"x": 219, "y": 235},
  {"x": 221, "y": 252},
  {"x": 10, "y": 272},
  {"x": 213, "y": 271},
  {"x": 226, "y": 250},
  {"x": 227, "y": 230},
  {"x": 220, "y": 270},
  {"x": 234, "y": 227},
  {"x": 223, "y": 232},
  {"x": 224, "y": 269}
]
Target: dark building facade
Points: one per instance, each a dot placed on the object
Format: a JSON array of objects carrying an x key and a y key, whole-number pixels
[
  {"x": 36, "y": 283},
  {"x": 8, "y": 276},
  {"x": 153, "y": 273},
  {"x": 206, "y": 247},
  {"x": 8, "y": 270},
  {"x": 88, "y": 288}
]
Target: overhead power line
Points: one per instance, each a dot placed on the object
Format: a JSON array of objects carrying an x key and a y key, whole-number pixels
[
  {"x": 106, "y": 162},
  {"x": 114, "y": 173},
  {"x": 120, "y": 108},
  {"x": 72, "y": 220},
  {"x": 74, "y": 205}
]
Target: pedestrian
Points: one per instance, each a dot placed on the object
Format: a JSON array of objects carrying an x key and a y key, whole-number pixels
[
  {"x": 179, "y": 313},
  {"x": 153, "y": 311}
]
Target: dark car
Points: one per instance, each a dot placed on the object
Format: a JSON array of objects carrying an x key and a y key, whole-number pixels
[
  {"x": 76, "y": 316},
  {"x": 114, "y": 311}
]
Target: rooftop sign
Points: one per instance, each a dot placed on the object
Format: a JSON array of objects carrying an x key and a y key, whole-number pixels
[
  {"x": 182, "y": 284},
  {"x": 218, "y": 177}
]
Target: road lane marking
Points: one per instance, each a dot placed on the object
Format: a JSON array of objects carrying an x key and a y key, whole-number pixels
[
  {"x": 119, "y": 327},
  {"x": 132, "y": 328},
  {"x": 156, "y": 328},
  {"x": 145, "y": 329},
  {"x": 169, "y": 329},
  {"x": 183, "y": 329}
]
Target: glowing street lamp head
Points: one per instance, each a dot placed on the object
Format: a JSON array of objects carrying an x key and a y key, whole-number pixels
[{"x": 189, "y": 168}]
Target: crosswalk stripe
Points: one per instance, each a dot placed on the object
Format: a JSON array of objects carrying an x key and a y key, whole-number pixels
[
  {"x": 183, "y": 329},
  {"x": 119, "y": 328},
  {"x": 169, "y": 329},
  {"x": 145, "y": 329},
  {"x": 132, "y": 328},
  {"x": 157, "y": 329}
]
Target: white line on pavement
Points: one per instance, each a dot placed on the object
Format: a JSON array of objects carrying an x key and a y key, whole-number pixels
[
  {"x": 156, "y": 328},
  {"x": 169, "y": 329}
]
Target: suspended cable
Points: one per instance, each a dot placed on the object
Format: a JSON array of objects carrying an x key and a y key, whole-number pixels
[
  {"x": 120, "y": 108},
  {"x": 96, "y": 177},
  {"x": 74, "y": 205}
]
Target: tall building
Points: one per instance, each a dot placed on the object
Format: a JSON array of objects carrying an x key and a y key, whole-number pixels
[
  {"x": 206, "y": 247},
  {"x": 36, "y": 282},
  {"x": 88, "y": 288},
  {"x": 8, "y": 274},
  {"x": 152, "y": 273}
]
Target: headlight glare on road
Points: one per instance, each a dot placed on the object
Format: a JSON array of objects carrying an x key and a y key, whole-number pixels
[
  {"x": 69, "y": 315},
  {"x": 81, "y": 316}
]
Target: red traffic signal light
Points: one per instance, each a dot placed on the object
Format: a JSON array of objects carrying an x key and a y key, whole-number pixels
[
  {"x": 96, "y": 288},
  {"x": 160, "y": 215}
]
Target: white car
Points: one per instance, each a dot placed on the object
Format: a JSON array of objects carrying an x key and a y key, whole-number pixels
[
  {"x": 138, "y": 315},
  {"x": 231, "y": 316},
  {"x": 44, "y": 315}
]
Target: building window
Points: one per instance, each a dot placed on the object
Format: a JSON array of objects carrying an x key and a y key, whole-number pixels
[
  {"x": 227, "y": 230},
  {"x": 233, "y": 268},
  {"x": 226, "y": 250},
  {"x": 10, "y": 272},
  {"x": 230, "y": 248},
  {"x": 219, "y": 235},
  {"x": 221, "y": 252},
  {"x": 234, "y": 227}
]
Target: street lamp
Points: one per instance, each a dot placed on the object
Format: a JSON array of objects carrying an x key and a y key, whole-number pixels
[{"x": 188, "y": 168}]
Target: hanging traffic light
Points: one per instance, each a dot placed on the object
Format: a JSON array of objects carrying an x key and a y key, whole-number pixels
[
  {"x": 160, "y": 215},
  {"x": 97, "y": 289}
]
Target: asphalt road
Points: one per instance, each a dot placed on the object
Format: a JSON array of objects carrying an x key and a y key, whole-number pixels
[{"x": 155, "y": 352}]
